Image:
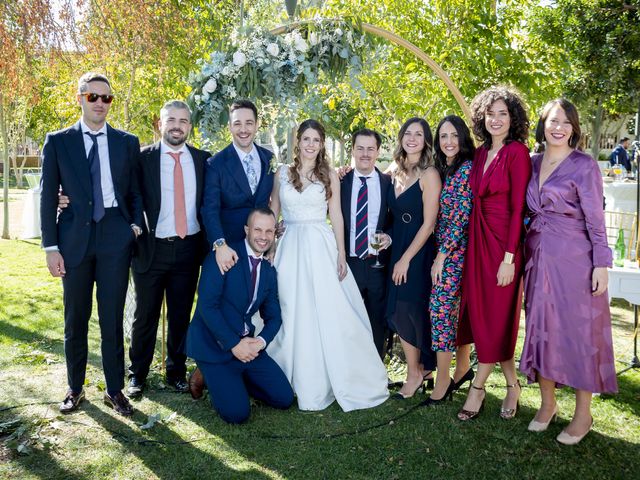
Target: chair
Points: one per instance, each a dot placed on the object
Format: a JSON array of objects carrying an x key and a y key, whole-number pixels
[{"x": 627, "y": 222}]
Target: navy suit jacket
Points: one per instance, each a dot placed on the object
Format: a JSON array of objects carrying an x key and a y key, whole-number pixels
[
  {"x": 620, "y": 155},
  {"x": 346, "y": 189},
  {"x": 221, "y": 311},
  {"x": 227, "y": 197},
  {"x": 65, "y": 164},
  {"x": 148, "y": 178}
]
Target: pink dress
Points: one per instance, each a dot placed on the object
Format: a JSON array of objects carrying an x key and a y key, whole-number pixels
[{"x": 568, "y": 334}]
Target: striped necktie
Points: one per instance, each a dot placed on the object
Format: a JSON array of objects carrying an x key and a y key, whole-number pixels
[
  {"x": 96, "y": 179},
  {"x": 362, "y": 223}
]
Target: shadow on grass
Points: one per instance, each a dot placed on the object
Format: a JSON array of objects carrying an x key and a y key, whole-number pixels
[
  {"x": 53, "y": 345},
  {"x": 188, "y": 461}
]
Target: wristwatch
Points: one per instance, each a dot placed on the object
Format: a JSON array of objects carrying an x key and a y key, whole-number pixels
[{"x": 219, "y": 243}]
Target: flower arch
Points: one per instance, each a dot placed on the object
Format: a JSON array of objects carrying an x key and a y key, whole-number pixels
[{"x": 278, "y": 66}]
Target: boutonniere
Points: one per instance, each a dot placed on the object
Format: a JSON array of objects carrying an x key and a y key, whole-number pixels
[{"x": 273, "y": 164}]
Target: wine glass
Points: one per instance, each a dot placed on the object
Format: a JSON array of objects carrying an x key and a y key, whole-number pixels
[{"x": 377, "y": 239}]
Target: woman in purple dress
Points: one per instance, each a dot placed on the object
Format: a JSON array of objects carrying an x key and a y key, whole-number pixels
[{"x": 568, "y": 335}]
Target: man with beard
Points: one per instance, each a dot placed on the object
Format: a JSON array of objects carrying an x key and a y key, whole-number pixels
[{"x": 171, "y": 248}]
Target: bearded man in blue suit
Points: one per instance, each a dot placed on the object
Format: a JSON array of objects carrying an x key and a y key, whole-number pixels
[{"x": 221, "y": 338}]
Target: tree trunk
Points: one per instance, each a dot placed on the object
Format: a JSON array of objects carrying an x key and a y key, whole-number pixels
[
  {"x": 341, "y": 152},
  {"x": 596, "y": 128},
  {"x": 5, "y": 171}
]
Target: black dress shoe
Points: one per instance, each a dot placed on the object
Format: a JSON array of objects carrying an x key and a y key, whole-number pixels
[
  {"x": 135, "y": 387},
  {"x": 179, "y": 384},
  {"x": 71, "y": 402},
  {"x": 119, "y": 403}
]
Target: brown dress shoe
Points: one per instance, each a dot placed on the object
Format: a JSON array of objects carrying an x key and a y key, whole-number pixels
[
  {"x": 119, "y": 403},
  {"x": 72, "y": 401},
  {"x": 196, "y": 384}
]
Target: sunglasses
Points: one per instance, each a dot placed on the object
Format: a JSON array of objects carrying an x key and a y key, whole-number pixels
[{"x": 93, "y": 97}]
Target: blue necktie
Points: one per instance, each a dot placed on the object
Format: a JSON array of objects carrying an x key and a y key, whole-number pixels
[
  {"x": 96, "y": 185},
  {"x": 362, "y": 223}
]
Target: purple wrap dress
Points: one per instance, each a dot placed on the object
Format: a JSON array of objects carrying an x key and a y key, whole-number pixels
[{"x": 568, "y": 331}]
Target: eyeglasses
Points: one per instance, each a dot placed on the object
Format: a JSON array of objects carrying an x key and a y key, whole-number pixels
[{"x": 93, "y": 97}]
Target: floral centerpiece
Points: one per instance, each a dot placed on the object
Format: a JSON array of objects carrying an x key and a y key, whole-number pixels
[{"x": 274, "y": 70}]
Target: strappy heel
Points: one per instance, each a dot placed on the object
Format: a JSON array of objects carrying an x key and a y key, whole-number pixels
[
  {"x": 509, "y": 413},
  {"x": 467, "y": 377},
  {"x": 402, "y": 396},
  {"x": 429, "y": 381},
  {"x": 464, "y": 415}
]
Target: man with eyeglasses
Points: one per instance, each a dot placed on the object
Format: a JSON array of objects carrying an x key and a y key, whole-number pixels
[{"x": 90, "y": 242}]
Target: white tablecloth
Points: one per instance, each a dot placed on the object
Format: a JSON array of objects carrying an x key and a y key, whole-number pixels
[
  {"x": 620, "y": 196},
  {"x": 31, "y": 214},
  {"x": 624, "y": 282}
]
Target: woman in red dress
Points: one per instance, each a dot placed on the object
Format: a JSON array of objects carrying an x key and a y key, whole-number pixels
[{"x": 492, "y": 278}]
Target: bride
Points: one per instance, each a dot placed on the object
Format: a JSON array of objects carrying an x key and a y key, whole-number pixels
[{"x": 325, "y": 346}]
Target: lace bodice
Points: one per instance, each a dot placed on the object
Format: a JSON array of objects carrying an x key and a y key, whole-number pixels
[{"x": 307, "y": 206}]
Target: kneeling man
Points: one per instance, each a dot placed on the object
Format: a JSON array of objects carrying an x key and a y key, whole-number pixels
[{"x": 221, "y": 338}]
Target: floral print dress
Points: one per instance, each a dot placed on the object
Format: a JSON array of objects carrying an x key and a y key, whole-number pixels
[{"x": 451, "y": 238}]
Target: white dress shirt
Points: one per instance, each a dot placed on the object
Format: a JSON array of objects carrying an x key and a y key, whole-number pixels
[
  {"x": 373, "y": 207},
  {"x": 166, "y": 226},
  {"x": 255, "y": 159},
  {"x": 106, "y": 181}
]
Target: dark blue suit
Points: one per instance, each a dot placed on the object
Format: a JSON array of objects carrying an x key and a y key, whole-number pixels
[
  {"x": 372, "y": 282},
  {"x": 218, "y": 325},
  {"x": 620, "y": 156},
  {"x": 93, "y": 252},
  {"x": 227, "y": 197}
]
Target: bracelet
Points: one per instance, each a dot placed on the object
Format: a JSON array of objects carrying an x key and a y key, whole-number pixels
[{"x": 508, "y": 258}]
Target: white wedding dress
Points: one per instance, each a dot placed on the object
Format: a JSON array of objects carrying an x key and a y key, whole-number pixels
[{"x": 325, "y": 346}]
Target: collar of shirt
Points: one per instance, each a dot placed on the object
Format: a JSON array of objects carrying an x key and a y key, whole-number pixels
[
  {"x": 357, "y": 174},
  {"x": 85, "y": 128},
  {"x": 242, "y": 154},
  {"x": 164, "y": 148},
  {"x": 250, "y": 252}
]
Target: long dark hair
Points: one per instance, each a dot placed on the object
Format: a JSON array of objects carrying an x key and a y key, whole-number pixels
[
  {"x": 575, "y": 141},
  {"x": 321, "y": 170},
  {"x": 426, "y": 156},
  {"x": 465, "y": 143},
  {"x": 519, "y": 122}
]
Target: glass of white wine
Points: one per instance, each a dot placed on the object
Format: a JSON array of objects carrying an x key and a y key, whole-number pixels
[{"x": 377, "y": 239}]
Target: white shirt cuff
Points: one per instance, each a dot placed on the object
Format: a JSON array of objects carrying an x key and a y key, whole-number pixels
[
  {"x": 264, "y": 342},
  {"x": 52, "y": 248}
]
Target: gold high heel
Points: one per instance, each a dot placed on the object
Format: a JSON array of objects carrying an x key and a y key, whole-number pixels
[
  {"x": 465, "y": 415},
  {"x": 509, "y": 413}
]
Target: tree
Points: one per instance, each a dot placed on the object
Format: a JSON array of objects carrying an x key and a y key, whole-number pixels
[
  {"x": 28, "y": 29},
  {"x": 598, "y": 42}
]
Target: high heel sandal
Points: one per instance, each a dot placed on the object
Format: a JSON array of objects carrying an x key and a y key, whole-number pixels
[
  {"x": 429, "y": 384},
  {"x": 535, "y": 426},
  {"x": 436, "y": 401},
  {"x": 509, "y": 413},
  {"x": 465, "y": 415},
  {"x": 402, "y": 396},
  {"x": 467, "y": 377}
]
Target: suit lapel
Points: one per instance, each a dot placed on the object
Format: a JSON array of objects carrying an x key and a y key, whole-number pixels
[
  {"x": 154, "y": 173},
  {"x": 265, "y": 166},
  {"x": 246, "y": 274},
  {"x": 234, "y": 167},
  {"x": 384, "y": 188},
  {"x": 117, "y": 156},
  {"x": 74, "y": 144},
  {"x": 198, "y": 165}
]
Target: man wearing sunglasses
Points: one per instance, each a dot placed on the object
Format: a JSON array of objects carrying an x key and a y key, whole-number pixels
[{"x": 90, "y": 241}]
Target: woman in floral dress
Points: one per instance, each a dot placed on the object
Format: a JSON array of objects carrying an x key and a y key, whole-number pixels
[{"x": 454, "y": 151}]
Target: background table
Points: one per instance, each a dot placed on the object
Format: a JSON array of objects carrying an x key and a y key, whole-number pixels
[
  {"x": 620, "y": 196},
  {"x": 624, "y": 282}
]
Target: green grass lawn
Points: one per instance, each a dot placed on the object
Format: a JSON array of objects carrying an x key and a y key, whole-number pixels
[{"x": 393, "y": 441}]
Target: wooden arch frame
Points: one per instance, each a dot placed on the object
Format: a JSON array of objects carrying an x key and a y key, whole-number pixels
[{"x": 401, "y": 42}]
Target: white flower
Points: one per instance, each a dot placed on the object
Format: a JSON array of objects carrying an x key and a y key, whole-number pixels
[
  {"x": 239, "y": 59},
  {"x": 197, "y": 98},
  {"x": 210, "y": 86},
  {"x": 301, "y": 44},
  {"x": 273, "y": 49},
  {"x": 313, "y": 39},
  {"x": 338, "y": 32},
  {"x": 226, "y": 71}
]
